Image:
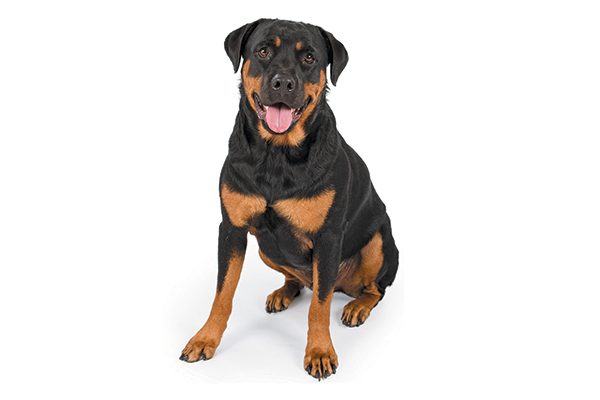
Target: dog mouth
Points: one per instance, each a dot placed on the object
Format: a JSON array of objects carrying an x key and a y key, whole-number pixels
[{"x": 279, "y": 117}]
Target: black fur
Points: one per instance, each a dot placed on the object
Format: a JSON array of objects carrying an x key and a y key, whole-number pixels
[
  {"x": 292, "y": 181},
  {"x": 323, "y": 160}
]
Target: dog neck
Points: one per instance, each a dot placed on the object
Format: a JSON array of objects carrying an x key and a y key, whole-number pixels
[{"x": 277, "y": 171}]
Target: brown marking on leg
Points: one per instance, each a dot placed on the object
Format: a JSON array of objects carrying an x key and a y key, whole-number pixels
[
  {"x": 359, "y": 281},
  {"x": 320, "y": 359},
  {"x": 281, "y": 298},
  {"x": 308, "y": 214},
  {"x": 346, "y": 269},
  {"x": 357, "y": 311},
  {"x": 296, "y": 135},
  {"x": 241, "y": 208},
  {"x": 299, "y": 45},
  {"x": 203, "y": 344},
  {"x": 355, "y": 276},
  {"x": 277, "y": 41}
]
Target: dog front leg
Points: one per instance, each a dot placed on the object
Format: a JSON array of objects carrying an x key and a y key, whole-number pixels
[
  {"x": 320, "y": 359},
  {"x": 232, "y": 248}
]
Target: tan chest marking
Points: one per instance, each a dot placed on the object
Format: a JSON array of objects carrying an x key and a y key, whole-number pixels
[
  {"x": 241, "y": 208},
  {"x": 309, "y": 214}
]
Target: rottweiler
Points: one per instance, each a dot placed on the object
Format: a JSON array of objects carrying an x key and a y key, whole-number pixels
[{"x": 291, "y": 181}]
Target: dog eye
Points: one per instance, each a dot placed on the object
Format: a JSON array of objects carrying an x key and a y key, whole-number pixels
[
  {"x": 263, "y": 53},
  {"x": 309, "y": 59}
]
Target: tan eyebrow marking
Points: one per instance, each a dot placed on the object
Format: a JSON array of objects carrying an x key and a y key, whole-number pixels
[
  {"x": 299, "y": 45},
  {"x": 277, "y": 41}
]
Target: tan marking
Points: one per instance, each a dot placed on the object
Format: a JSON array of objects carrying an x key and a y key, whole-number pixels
[
  {"x": 309, "y": 214},
  {"x": 290, "y": 273},
  {"x": 320, "y": 358},
  {"x": 277, "y": 41},
  {"x": 281, "y": 298},
  {"x": 251, "y": 84},
  {"x": 346, "y": 271},
  {"x": 357, "y": 278},
  {"x": 299, "y": 45},
  {"x": 354, "y": 277},
  {"x": 205, "y": 342},
  {"x": 357, "y": 311},
  {"x": 241, "y": 208},
  {"x": 296, "y": 135}
]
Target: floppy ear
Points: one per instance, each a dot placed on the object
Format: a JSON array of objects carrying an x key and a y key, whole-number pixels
[
  {"x": 236, "y": 40},
  {"x": 337, "y": 54}
]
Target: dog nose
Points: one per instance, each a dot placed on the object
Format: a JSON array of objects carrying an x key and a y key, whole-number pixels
[{"x": 283, "y": 82}]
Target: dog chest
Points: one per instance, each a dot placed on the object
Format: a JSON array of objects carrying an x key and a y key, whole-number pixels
[{"x": 306, "y": 215}]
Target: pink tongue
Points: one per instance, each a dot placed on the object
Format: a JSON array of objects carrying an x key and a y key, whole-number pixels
[{"x": 279, "y": 118}]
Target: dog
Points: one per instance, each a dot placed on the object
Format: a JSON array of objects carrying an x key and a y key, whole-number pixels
[{"x": 291, "y": 180}]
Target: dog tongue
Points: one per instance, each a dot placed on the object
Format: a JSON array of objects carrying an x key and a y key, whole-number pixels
[{"x": 279, "y": 118}]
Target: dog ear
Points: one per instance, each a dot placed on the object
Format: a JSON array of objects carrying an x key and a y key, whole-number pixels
[
  {"x": 236, "y": 40},
  {"x": 337, "y": 54}
]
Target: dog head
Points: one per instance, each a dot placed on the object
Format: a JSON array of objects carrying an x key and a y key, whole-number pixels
[{"x": 283, "y": 73}]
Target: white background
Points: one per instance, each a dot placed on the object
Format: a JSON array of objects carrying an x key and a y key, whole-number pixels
[{"x": 479, "y": 122}]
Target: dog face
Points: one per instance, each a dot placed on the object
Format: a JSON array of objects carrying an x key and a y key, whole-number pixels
[{"x": 283, "y": 74}]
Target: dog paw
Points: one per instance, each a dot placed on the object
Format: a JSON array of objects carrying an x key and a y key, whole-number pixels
[
  {"x": 198, "y": 349},
  {"x": 320, "y": 364},
  {"x": 280, "y": 299},
  {"x": 355, "y": 313}
]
